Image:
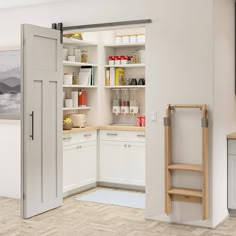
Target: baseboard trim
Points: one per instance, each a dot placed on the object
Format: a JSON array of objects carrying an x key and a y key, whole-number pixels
[
  {"x": 121, "y": 186},
  {"x": 79, "y": 190}
]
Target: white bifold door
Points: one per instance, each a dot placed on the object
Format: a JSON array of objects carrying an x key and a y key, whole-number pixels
[{"x": 41, "y": 120}]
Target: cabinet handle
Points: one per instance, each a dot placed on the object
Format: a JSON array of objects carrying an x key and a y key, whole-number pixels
[
  {"x": 141, "y": 135},
  {"x": 32, "y": 125},
  {"x": 79, "y": 147},
  {"x": 125, "y": 145},
  {"x": 87, "y": 135},
  {"x": 67, "y": 138},
  {"x": 129, "y": 146},
  {"x": 112, "y": 134}
]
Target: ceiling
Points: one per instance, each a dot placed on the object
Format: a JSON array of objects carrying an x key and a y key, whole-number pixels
[{"x": 21, "y": 3}]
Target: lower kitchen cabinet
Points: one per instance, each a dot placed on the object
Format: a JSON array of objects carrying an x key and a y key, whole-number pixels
[
  {"x": 122, "y": 162},
  {"x": 79, "y": 165},
  {"x": 232, "y": 181}
]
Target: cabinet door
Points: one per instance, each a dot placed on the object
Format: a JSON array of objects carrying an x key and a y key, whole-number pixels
[
  {"x": 112, "y": 162},
  {"x": 232, "y": 181},
  {"x": 88, "y": 163},
  {"x": 71, "y": 164},
  {"x": 135, "y": 162}
]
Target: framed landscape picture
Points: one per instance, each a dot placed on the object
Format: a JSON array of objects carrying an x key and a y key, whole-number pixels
[{"x": 10, "y": 73}]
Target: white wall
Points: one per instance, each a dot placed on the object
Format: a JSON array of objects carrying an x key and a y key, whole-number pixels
[
  {"x": 10, "y": 158},
  {"x": 180, "y": 46},
  {"x": 224, "y": 101}
]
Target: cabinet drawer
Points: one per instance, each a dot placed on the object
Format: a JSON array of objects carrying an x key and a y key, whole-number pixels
[
  {"x": 232, "y": 146},
  {"x": 73, "y": 138},
  {"x": 114, "y": 135}
]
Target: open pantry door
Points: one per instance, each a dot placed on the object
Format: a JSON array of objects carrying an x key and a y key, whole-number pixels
[{"x": 41, "y": 120}]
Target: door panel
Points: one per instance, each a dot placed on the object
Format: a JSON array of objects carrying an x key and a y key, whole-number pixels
[{"x": 42, "y": 120}]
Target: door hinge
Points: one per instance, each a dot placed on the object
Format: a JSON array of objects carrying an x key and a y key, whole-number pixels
[{"x": 24, "y": 196}]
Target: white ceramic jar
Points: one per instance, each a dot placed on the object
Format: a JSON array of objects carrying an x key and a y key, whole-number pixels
[
  {"x": 68, "y": 79},
  {"x": 133, "y": 38},
  {"x": 118, "y": 39},
  {"x": 68, "y": 103},
  {"x": 141, "y": 38},
  {"x": 125, "y": 39}
]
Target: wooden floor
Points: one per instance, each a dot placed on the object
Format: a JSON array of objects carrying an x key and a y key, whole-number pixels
[{"x": 93, "y": 219}]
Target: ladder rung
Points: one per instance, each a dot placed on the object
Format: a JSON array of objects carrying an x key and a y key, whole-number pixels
[
  {"x": 185, "y": 192},
  {"x": 181, "y": 166}
]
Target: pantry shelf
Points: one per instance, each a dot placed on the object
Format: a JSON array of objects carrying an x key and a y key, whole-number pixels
[
  {"x": 126, "y": 66},
  {"x": 71, "y": 63},
  {"x": 80, "y": 86},
  {"x": 78, "y": 42},
  {"x": 186, "y": 192},
  {"x": 126, "y": 86},
  {"x": 75, "y": 108},
  {"x": 125, "y": 45},
  {"x": 180, "y": 166}
]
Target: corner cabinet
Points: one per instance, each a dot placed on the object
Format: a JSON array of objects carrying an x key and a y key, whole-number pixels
[
  {"x": 79, "y": 160},
  {"x": 122, "y": 157}
]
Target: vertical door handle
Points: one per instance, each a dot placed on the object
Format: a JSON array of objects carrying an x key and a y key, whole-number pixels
[{"x": 32, "y": 125}]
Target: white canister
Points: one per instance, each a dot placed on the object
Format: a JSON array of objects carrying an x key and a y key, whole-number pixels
[
  {"x": 133, "y": 38},
  {"x": 68, "y": 79},
  {"x": 77, "y": 53},
  {"x": 116, "y": 110},
  {"x": 65, "y": 54},
  {"x": 141, "y": 38},
  {"x": 68, "y": 103},
  {"x": 118, "y": 39},
  {"x": 125, "y": 39},
  {"x": 71, "y": 58},
  {"x": 141, "y": 54},
  {"x": 74, "y": 96}
]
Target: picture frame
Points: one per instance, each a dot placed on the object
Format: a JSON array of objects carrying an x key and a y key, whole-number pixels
[{"x": 10, "y": 84}]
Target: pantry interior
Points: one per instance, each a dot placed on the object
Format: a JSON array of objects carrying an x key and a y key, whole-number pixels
[{"x": 104, "y": 110}]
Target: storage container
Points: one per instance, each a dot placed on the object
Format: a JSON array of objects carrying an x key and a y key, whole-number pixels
[
  {"x": 68, "y": 78},
  {"x": 118, "y": 39},
  {"x": 117, "y": 60},
  {"x": 125, "y": 39},
  {"x": 111, "y": 60},
  {"x": 84, "y": 56},
  {"x": 141, "y": 38},
  {"x": 124, "y": 60},
  {"x": 133, "y": 38}
]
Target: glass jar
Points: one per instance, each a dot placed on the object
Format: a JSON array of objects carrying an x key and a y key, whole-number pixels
[{"x": 84, "y": 56}]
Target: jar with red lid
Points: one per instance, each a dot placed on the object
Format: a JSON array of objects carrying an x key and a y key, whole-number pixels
[
  {"x": 111, "y": 60},
  {"x": 117, "y": 60},
  {"x": 124, "y": 60}
]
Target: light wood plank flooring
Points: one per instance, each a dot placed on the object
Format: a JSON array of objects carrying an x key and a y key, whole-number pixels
[{"x": 93, "y": 219}]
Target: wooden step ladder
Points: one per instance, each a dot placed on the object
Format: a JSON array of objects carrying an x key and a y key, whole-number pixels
[{"x": 183, "y": 194}]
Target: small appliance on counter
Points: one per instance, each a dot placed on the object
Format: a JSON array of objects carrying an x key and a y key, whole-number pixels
[
  {"x": 116, "y": 102},
  {"x": 82, "y": 100},
  {"x": 78, "y": 120}
]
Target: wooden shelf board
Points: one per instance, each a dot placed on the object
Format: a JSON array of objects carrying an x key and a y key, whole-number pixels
[
  {"x": 126, "y": 65},
  {"x": 191, "y": 167},
  {"x": 79, "y": 86},
  {"x": 75, "y": 108},
  {"x": 73, "y": 41},
  {"x": 114, "y": 45},
  {"x": 125, "y": 86},
  {"x": 185, "y": 192},
  {"x": 71, "y": 63}
]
